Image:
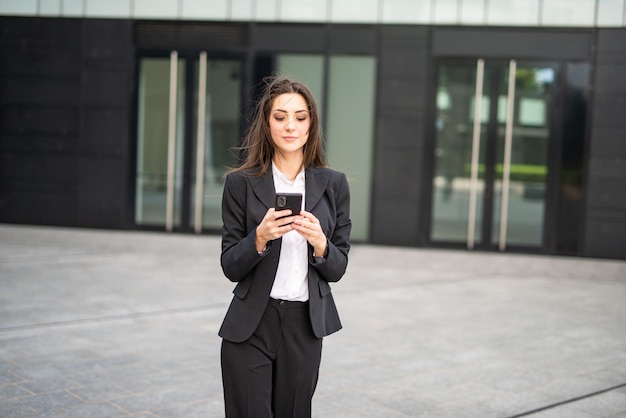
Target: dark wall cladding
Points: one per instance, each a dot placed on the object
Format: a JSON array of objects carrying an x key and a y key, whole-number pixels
[
  {"x": 180, "y": 35},
  {"x": 400, "y": 134},
  {"x": 605, "y": 222},
  {"x": 511, "y": 42},
  {"x": 65, "y": 90}
]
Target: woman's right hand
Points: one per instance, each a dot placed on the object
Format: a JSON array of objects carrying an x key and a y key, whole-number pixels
[{"x": 271, "y": 227}]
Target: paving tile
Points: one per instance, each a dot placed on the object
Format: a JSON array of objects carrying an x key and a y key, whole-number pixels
[
  {"x": 8, "y": 391},
  {"x": 13, "y": 408},
  {"x": 113, "y": 323},
  {"x": 92, "y": 410},
  {"x": 50, "y": 401}
]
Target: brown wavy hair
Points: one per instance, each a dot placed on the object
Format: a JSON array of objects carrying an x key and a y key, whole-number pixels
[{"x": 258, "y": 147}]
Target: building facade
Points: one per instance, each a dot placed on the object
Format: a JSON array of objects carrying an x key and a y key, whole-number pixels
[{"x": 492, "y": 126}]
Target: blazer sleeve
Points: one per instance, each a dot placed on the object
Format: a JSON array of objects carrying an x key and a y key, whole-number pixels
[
  {"x": 239, "y": 254},
  {"x": 334, "y": 266}
]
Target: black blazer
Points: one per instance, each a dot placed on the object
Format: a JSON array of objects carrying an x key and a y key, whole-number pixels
[{"x": 245, "y": 202}]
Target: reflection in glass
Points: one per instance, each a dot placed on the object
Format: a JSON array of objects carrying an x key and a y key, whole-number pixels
[
  {"x": 152, "y": 145},
  {"x": 308, "y": 69},
  {"x": 221, "y": 131},
  {"x": 453, "y": 153},
  {"x": 349, "y": 121},
  {"x": 529, "y": 155},
  {"x": 351, "y": 93},
  {"x": 453, "y": 148}
]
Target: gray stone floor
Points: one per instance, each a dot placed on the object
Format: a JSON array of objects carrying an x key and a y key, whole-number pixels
[{"x": 118, "y": 324}]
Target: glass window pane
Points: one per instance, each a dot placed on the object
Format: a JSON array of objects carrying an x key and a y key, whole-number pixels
[
  {"x": 50, "y": 8},
  {"x": 109, "y": 8},
  {"x": 202, "y": 9},
  {"x": 406, "y": 11},
  {"x": 21, "y": 7},
  {"x": 529, "y": 156},
  {"x": 563, "y": 13},
  {"x": 610, "y": 12},
  {"x": 513, "y": 12},
  {"x": 354, "y": 11},
  {"x": 446, "y": 11},
  {"x": 152, "y": 141},
  {"x": 308, "y": 69},
  {"x": 72, "y": 8},
  {"x": 350, "y": 134},
  {"x": 303, "y": 11},
  {"x": 241, "y": 9},
  {"x": 156, "y": 9},
  {"x": 453, "y": 153},
  {"x": 266, "y": 10},
  {"x": 221, "y": 133},
  {"x": 472, "y": 12}
]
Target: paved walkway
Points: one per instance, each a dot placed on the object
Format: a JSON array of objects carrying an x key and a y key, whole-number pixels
[{"x": 117, "y": 324}]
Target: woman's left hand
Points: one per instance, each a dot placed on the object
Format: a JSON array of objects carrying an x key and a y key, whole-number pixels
[{"x": 309, "y": 227}]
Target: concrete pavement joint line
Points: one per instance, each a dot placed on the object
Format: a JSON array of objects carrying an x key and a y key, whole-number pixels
[
  {"x": 579, "y": 398},
  {"x": 107, "y": 318}
]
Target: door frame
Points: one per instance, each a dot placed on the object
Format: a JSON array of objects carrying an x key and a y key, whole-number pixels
[
  {"x": 553, "y": 149},
  {"x": 191, "y": 56}
]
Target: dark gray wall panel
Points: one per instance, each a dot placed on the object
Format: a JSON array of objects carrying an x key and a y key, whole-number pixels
[
  {"x": 298, "y": 38},
  {"x": 605, "y": 168},
  {"x": 606, "y": 238},
  {"x": 33, "y": 170},
  {"x": 398, "y": 230},
  {"x": 398, "y": 131},
  {"x": 106, "y": 131},
  {"x": 37, "y": 120},
  {"x": 608, "y": 142},
  {"x": 612, "y": 40},
  {"x": 39, "y": 206},
  {"x": 605, "y": 222},
  {"x": 102, "y": 183},
  {"x": 353, "y": 40},
  {"x": 611, "y": 78},
  {"x": 608, "y": 193},
  {"x": 512, "y": 43},
  {"x": 400, "y": 134},
  {"x": 180, "y": 35},
  {"x": 400, "y": 170},
  {"x": 609, "y": 110},
  {"x": 39, "y": 91},
  {"x": 111, "y": 88},
  {"x": 66, "y": 95}
]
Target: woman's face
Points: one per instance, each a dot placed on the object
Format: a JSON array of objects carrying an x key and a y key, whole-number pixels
[{"x": 289, "y": 123}]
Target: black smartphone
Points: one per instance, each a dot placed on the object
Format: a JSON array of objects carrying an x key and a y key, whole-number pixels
[{"x": 291, "y": 201}]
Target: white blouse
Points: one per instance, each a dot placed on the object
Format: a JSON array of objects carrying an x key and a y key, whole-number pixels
[{"x": 291, "y": 282}]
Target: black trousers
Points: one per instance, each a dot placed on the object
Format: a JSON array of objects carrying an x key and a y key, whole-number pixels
[{"x": 274, "y": 373}]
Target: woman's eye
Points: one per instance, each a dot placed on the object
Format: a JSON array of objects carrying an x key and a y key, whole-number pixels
[
  {"x": 279, "y": 118},
  {"x": 302, "y": 119}
]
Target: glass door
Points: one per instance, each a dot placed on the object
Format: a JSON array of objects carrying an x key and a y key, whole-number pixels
[
  {"x": 491, "y": 153},
  {"x": 187, "y": 126}
]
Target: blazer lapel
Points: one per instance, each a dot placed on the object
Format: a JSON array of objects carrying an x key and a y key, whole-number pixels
[
  {"x": 315, "y": 180},
  {"x": 263, "y": 188}
]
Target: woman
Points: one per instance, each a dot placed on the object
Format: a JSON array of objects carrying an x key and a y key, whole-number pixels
[{"x": 282, "y": 305}]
